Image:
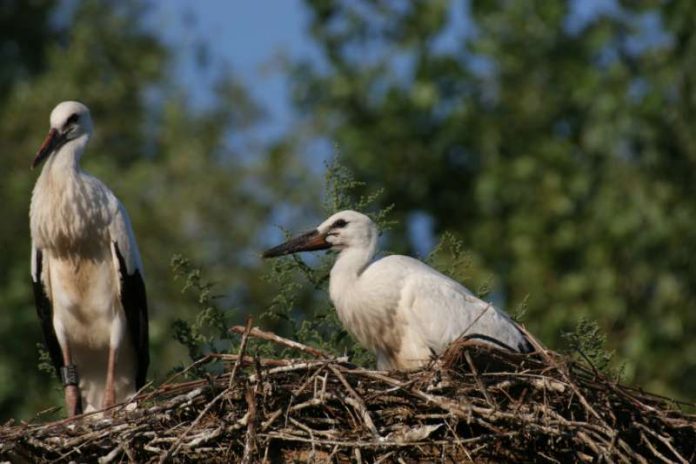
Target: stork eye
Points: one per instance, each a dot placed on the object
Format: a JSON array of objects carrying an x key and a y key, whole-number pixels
[
  {"x": 72, "y": 119},
  {"x": 339, "y": 224}
]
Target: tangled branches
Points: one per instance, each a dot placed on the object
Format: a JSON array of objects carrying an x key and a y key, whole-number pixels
[{"x": 474, "y": 404}]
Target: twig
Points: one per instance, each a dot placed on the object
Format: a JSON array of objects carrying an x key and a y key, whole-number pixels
[
  {"x": 356, "y": 402},
  {"x": 665, "y": 441},
  {"x": 467, "y": 356},
  {"x": 269, "y": 336},
  {"x": 518, "y": 405},
  {"x": 656, "y": 453},
  {"x": 172, "y": 449},
  {"x": 250, "y": 440},
  {"x": 242, "y": 350}
]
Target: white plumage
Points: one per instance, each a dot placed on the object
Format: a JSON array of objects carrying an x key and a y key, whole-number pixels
[
  {"x": 397, "y": 306},
  {"x": 87, "y": 272}
]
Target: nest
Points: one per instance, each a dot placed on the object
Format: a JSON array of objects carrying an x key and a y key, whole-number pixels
[{"x": 474, "y": 404}]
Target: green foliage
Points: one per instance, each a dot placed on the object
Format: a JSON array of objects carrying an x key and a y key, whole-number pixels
[
  {"x": 208, "y": 333},
  {"x": 450, "y": 257},
  {"x": 299, "y": 306},
  {"x": 558, "y": 150},
  {"x": 45, "y": 364},
  {"x": 211, "y": 323},
  {"x": 341, "y": 192},
  {"x": 316, "y": 323},
  {"x": 292, "y": 276},
  {"x": 186, "y": 188},
  {"x": 589, "y": 342},
  {"x": 557, "y": 146},
  {"x": 520, "y": 311},
  {"x": 56, "y": 61}
]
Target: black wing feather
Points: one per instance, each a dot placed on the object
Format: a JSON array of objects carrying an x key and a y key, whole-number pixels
[
  {"x": 44, "y": 309},
  {"x": 524, "y": 347},
  {"x": 134, "y": 302}
]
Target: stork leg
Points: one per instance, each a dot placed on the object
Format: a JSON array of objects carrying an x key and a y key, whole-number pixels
[
  {"x": 73, "y": 398},
  {"x": 109, "y": 394}
]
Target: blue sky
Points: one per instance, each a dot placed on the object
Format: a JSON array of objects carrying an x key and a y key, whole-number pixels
[
  {"x": 248, "y": 36},
  {"x": 244, "y": 36}
]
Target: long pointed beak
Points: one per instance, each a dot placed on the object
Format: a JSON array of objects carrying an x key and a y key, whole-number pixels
[
  {"x": 306, "y": 242},
  {"x": 49, "y": 145}
]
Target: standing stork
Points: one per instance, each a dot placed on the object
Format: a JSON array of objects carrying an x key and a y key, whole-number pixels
[
  {"x": 87, "y": 273},
  {"x": 397, "y": 306}
]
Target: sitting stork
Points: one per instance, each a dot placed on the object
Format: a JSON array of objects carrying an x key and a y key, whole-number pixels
[
  {"x": 87, "y": 274},
  {"x": 397, "y": 306}
]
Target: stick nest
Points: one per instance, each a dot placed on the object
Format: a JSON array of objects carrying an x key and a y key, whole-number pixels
[{"x": 473, "y": 404}]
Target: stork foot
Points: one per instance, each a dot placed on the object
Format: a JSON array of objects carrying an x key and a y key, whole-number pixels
[{"x": 73, "y": 400}]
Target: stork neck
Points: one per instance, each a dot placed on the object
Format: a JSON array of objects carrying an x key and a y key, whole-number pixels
[
  {"x": 68, "y": 157},
  {"x": 352, "y": 261}
]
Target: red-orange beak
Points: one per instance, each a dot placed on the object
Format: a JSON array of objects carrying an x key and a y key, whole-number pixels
[
  {"x": 306, "y": 242},
  {"x": 51, "y": 143}
]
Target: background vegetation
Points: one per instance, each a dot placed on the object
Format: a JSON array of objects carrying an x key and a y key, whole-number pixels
[{"x": 559, "y": 150}]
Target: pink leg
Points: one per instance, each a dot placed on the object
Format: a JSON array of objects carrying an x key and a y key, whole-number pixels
[
  {"x": 109, "y": 394},
  {"x": 73, "y": 398}
]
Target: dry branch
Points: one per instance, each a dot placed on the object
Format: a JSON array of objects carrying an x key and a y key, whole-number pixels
[{"x": 474, "y": 404}]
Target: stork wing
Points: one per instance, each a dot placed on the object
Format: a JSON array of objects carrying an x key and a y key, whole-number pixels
[
  {"x": 44, "y": 308},
  {"x": 444, "y": 310},
  {"x": 132, "y": 290}
]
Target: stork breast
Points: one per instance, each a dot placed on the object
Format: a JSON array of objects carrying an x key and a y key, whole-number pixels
[{"x": 85, "y": 297}]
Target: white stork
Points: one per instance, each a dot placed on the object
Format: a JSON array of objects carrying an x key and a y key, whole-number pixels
[
  {"x": 397, "y": 306},
  {"x": 87, "y": 273}
]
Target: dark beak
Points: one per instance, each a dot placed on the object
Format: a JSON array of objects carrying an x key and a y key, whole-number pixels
[
  {"x": 306, "y": 242},
  {"x": 51, "y": 143}
]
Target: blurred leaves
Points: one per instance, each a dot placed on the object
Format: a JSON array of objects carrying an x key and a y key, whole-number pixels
[
  {"x": 301, "y": 305},
  {"x": 550, "y": 146},
  {"x": 553, "y": 139},
  {"x": 188, "y": 190}
]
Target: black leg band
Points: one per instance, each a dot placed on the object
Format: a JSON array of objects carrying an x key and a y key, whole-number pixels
[{"x": 69, "y": 376}]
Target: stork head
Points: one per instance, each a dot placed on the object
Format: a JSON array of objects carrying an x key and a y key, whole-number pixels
[
  {"x": 70, "y": 120},
  {"x": 344, "y": 230}
]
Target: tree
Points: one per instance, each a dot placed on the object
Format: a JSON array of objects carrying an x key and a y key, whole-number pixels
[
  {"x": 186, "y": 188},
  {"x": 558, "y": 148}
]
